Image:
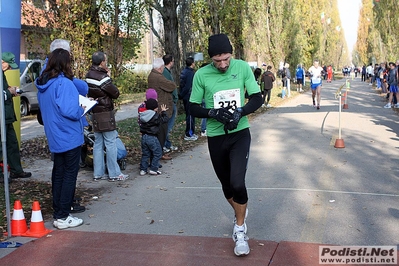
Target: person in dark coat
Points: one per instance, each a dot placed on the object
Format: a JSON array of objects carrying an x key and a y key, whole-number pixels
[
  {"x": 13, "y": 154},
  {"x": 186, "y": 82},
  {"x": 104, "y": 91},
  {"x": 267, "y": 80}
]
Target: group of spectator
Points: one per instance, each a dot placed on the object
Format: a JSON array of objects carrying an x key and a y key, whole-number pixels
[
  {"x": 63, "y": 118},
  {"x": 385, "y": 78}
]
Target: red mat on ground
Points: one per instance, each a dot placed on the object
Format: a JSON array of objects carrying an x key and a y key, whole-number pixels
[{"x": 98, "y": 248}]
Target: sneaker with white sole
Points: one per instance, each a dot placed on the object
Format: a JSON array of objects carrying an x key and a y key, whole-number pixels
[
  {"x": 245, "y": 224},
  {"x": 143, "y": 172},
  {"x": 120, "y": 177},
  {"x": 155, "y": 172},
  {"x": 388, "y": 105},
  {"x": 68, "y": 222},
  {"x": 193, "y": 137},
  {"x": 396, "y": 105},
  {"x": 173, "y": 148},
  {"x": 242, "y": 247},
  {"x": 96, "y": 178}
]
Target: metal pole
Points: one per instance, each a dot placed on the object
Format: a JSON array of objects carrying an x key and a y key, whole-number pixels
[
  {"x": 339, "y": 116},
  {"x": 339, "y": 143}
]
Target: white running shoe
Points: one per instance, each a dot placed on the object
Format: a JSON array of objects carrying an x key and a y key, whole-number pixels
[
  {"x": 68, "y": 222},
  {"x": 142, "y": 172},
  {"x": 242, "y": 247},
  {"x": 120, "y": 177},
  {"x": 245, "y": 224},
  {"x": 388, "y": 105},
  {"x": 154, "y": 172},
  {"x": 193, "y": 138},
  {"x": 173, "y": 148},
  {"x": 96, "y": 178}
]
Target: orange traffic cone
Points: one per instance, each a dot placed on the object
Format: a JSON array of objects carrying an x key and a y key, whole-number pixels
[
  {"x": 37, "y": 228},
  {"x": 18, "y": 222}
]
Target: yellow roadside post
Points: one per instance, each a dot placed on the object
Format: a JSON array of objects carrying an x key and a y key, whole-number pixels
[{"x": 13, "y": 80}]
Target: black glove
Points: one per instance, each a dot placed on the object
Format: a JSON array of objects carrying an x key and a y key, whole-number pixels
[
  {"x": 233, "y": 123},
  {"x": 223, "y": 115}
]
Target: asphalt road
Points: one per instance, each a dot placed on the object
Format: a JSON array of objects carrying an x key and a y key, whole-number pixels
[{"x": 301, "y": 188}]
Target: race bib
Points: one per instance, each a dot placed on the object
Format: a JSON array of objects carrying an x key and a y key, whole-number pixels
[
  {"x": 227, "y": 98},
  {"x": 316, "y": 80}
]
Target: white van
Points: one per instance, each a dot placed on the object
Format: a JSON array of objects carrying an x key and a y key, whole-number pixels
[{"x": 29, "y": 71}]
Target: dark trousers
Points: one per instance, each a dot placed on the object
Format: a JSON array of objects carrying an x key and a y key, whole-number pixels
[
  {"x": 266, "y": 96},
  {"x": 163, "y": 131},
  {"x": 229, "y": 155},
  {"x": 190, "y": 120},
  {"x": 13, "y": 155},
  {"x": 63, "y": 178}
]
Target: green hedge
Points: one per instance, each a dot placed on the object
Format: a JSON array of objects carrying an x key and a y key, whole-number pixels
[{"x": 131, "y": 82}]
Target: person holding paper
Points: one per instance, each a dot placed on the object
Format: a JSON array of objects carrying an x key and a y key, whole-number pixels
[
  {"x": 88, "y": 103},
  {"x": 61, "y": 113},
  {"x": 104, "y": 92}
]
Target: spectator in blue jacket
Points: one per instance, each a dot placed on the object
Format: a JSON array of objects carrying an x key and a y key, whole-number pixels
[
  {"x": 61, "y": 112},
  {"x": 186, "y": 82},
  {"x": 300, "y": 76}
]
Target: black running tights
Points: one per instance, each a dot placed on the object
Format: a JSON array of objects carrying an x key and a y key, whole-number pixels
[{"x": 229, "y": 155}]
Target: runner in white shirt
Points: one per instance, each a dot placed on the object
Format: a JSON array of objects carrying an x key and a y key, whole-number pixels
[
  {"x": 316, "y": 73},
  {"x": 370, "y": 73}
]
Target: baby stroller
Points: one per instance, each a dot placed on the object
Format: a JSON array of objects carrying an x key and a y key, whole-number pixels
[{"x": 87, "y": 152}]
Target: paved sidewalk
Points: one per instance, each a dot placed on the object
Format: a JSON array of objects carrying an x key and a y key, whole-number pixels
[{"x": 303, "y": 193}]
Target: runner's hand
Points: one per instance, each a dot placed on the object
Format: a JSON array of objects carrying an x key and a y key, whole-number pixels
[
  {"x": 233, "y": 123},
  {"x": 222, "y": 115}
]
